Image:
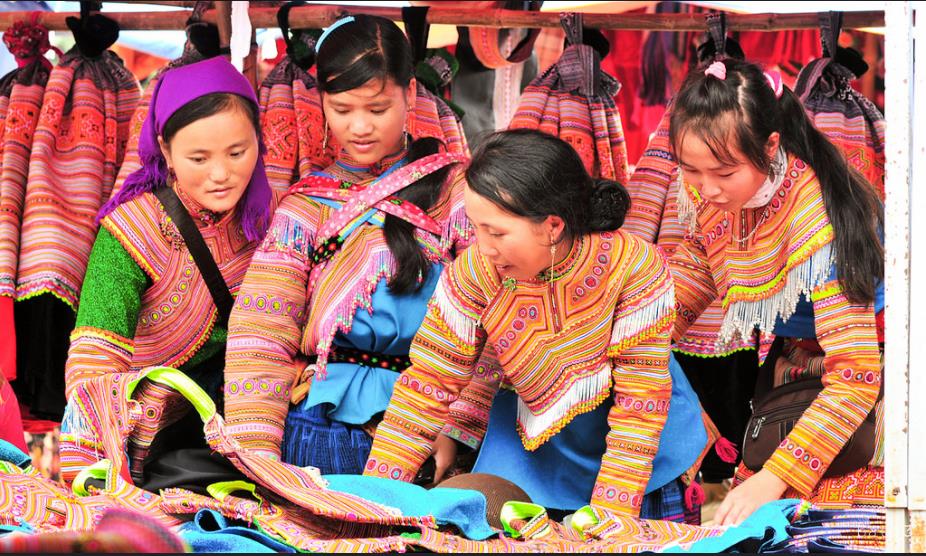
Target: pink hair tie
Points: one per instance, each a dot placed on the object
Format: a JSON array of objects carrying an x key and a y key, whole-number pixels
[
  {"x": 774, "y": 81},
  {"x": 718, "y": 70}
]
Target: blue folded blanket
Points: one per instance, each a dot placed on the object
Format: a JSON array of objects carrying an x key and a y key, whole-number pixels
[{"x": 465, "y": 509}]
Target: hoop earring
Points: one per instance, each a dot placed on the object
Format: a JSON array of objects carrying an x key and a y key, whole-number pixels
[{"x": 325, "y": 138}]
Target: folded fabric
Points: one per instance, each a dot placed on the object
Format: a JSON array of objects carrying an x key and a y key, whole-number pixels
[
  {"x": 465, "y": 509},
  {"x": 764, "y": 528},
  {"x": 9, "y": 452},
  {"x": 210, "y": 532}
]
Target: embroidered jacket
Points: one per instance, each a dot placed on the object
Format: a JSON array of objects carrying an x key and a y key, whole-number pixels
[
  {"x": 609, "y": 336},
  {"x": 292, "y": 308},
  {"x": 159, "y": 310},
  {"x": 787, "y": 252}
]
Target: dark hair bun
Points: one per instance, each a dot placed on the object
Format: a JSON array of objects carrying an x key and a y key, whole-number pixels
[{"x": 608, "y": 205}]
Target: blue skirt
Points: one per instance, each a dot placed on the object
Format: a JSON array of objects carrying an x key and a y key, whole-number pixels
[{"x": 311, "y": 438}]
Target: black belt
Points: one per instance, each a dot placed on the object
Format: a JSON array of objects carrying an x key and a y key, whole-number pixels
[{"x": 397, "y": 363}]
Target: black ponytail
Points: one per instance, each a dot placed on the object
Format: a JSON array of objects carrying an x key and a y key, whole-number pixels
[
  {"x": 705, "y": 104},
  {"x": 852, "y": 203},
  {"x": 412, "y": 267}
]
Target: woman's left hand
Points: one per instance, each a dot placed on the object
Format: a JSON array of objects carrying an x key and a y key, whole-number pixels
[{"x": 761, "y": 488}]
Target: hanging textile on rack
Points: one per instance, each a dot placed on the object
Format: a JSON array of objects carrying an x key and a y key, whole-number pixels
[
  {"x": 77, "y": 148},
  {"x": 495, "y": 66},
  {"x": 848, "y": 119},
  {"x": 574, "y": 100},
  {"x": 290, "y": 110},
  {"x": 202, "y": 42},
  {"x": 432, "y": 116},
  {"x": 21, "y": 93}
]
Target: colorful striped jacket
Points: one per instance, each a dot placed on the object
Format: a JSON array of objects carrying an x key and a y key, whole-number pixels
[
  {"x": 614, "y": 300},
  {"x": 787, "y": 252}
]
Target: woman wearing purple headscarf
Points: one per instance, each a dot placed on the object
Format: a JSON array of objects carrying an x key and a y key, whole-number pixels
[{"x": 145, "y": 300}]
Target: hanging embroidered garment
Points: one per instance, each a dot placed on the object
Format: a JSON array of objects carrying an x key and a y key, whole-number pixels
[
  {"x": 202, "y": 43},
  {"x": 848, "y": 119},
  {"x": 78, "y": 147},
  {"x": 76, "y": 152},
  {"x": 433, "y": 118},
  {"x": 290, "y": 111},
  {"x": 21, "y": 93},
  {"x": 574, "y": 100}
]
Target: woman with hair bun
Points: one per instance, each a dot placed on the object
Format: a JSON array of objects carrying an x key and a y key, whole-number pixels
[{"x": 579, "y": 315}]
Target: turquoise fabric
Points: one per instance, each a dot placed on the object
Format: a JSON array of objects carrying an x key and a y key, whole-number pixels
[
  {"x": 210, "y": 532},
  {"x": 561, "y": 473},
  {"x": 765, "y": 527},
  {"x": 463, "y": 508}
]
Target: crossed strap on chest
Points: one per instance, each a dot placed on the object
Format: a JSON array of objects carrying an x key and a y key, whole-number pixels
[{"x": 360, "y": 200}]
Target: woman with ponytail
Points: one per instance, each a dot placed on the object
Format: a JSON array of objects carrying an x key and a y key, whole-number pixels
[
  {"x": 786, "y": 233},
  {"x": 578, "y": 314},
  {"x": 338, "y": 289}
]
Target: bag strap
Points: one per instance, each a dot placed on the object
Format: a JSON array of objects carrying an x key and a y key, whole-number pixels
[
  {"x": 201, "y": 256},
  {"x": 765, "y": 378}
]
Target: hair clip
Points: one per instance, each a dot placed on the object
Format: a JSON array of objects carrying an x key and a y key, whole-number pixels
[
  {"x": 335, "y": 25},
  {"x": 717, "y": 69},
  {"x": 774, "y": 81}
]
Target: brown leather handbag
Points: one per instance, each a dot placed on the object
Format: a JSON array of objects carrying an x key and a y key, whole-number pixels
[{"x": 777, "y": 409}]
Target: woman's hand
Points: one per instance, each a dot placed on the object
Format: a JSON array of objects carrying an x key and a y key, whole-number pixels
[
  {"x": 445, "y": 455},
  {"x": 761, "y": 488}
]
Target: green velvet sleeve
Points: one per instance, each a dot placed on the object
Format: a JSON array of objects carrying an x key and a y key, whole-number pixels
[{"x": 110, "y": 298}]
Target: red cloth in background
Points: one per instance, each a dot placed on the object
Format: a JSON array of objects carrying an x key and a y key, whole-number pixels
[
  {"x": 11, "y": 426},
  {"x": 7, "y": 339},
  {"x": 789, "y": 50}
]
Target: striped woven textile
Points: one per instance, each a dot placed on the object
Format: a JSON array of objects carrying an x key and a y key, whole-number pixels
[
  {"x": 79, "y": 144},
  {"x": 851, "y": 121},
  {"x": 574, "y": 100},
  {"x": 848, "y": 119},
  {"x": 21, "y": 93},
  {"x": 292, "y": 123},
  {"x": 613, "y": 341},
  {"x": 27, "y": 496},
  {"x": 433, "y": 118},
  {"x": 761, "y": 279}
]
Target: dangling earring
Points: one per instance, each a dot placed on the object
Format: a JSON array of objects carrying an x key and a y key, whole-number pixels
[
  {"x": 325, "y": 138},
  {"x": 550, "y": 280},
  {"x": 405, "y": 137},
  {"x": 171, "y": 177},
  {"x": 552, "y": 257}
]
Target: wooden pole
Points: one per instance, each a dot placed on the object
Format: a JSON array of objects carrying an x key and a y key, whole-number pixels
[
  {"x": 154, "y": 21},
  {"x": 221, "y": 16},
  {"x": 321, "y": 16},
  {"x": 316, "y": 16}
]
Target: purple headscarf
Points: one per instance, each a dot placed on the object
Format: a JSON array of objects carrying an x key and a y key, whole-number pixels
[{"x": 174, "y": 89}]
